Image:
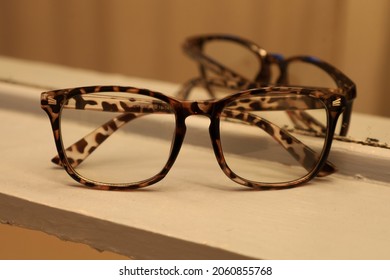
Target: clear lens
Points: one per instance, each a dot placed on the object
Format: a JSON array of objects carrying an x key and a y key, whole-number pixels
[
  {"x": 259, "y": 142},
  {"x": 234, "y": 56},
  {"x": 117, "y": 138},
  {"x": 306, "y": 74}
]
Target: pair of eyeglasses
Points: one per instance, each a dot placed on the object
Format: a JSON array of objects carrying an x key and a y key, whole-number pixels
[
  {"x": 218, "y": 72},
  {"x": 116, "y": 138},
  {"x": 119, "y": 138}
]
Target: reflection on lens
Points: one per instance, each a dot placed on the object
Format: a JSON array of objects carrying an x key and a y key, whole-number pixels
[
  {"x": 117, "y": 138},
  {"x": 258, "y": 143}
]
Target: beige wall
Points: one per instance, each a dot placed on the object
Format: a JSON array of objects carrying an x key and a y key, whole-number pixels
[{"x": 143, "y": 37}]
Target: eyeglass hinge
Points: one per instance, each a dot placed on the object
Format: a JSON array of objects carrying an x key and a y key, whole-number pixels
[
  {"x": 51, "y": 100},
  {"x": 336, "y": 102}
]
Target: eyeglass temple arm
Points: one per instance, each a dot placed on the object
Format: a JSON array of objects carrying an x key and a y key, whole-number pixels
[
  {"x": 188, "y": 86},
  {"x": 299, "y": 151},
  {"x": 84, "y": 147},
  {"x": 81, "y": 149}
]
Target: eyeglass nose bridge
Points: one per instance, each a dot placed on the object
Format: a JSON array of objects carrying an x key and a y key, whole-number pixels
[{"x": 204, "y": 108}]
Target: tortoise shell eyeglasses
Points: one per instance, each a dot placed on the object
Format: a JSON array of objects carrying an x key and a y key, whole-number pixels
[
  {"x": 213, "y": 72},
  {"x": 120, "y": 138}
]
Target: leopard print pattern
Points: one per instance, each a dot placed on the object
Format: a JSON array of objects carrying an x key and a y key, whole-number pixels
[{"x": 54, "y": 101}]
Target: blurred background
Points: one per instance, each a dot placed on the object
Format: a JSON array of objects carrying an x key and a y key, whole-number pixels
[{"x": 143, "y": 38}]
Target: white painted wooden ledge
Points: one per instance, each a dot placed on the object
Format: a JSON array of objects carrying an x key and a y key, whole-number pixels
[{"x": 196, "y": 212}]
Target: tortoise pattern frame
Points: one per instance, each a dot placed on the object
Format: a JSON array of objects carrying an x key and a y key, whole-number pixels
[
  {"x": 228, "y": 78},
  {"x": 52, "y": 102}
]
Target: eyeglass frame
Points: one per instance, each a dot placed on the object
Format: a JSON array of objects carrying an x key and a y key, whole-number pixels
[{"x": 52, "y": 102}]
